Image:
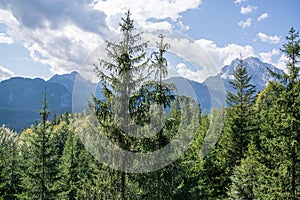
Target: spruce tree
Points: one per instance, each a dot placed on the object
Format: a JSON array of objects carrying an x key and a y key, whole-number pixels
[
  {"x": 121, "y": 76},
  {"x": 236, "y": 135},
  {"x": 39, "y": 160},
  {"x": 249, "y": 179},
  {"x": 240, "y": 114},
  {"x": 68, "y": 178}
]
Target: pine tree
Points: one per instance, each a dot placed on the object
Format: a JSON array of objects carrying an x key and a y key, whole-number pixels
[
  {"x": 270, "y": 142},
  {"x": 160, "y": 66},
  {"x": 191, "y": 183},
  {"x": 77, "y": 171}
]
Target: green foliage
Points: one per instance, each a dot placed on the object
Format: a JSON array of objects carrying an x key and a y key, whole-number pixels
[
  {"x": 239, "y": 117},
  {"x": 281, "y": 124},
  {"x": 9, "y": 164},
  {"x": 249, "y": 179},
  {"x": 123, "y": 73},
  {"x": 40, "y": 159}
]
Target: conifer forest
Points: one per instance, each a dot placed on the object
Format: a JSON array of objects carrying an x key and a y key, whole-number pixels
[{"x": 256, "y": 156}]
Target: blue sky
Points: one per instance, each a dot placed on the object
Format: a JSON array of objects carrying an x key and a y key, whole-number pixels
[{"x": 40, "y": 38}]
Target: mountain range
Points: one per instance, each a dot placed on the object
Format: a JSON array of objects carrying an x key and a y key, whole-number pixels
[{"x": 21, "y": 98}]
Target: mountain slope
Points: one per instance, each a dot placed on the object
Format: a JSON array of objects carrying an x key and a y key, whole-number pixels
[
  {"x": 209, "y": 94},
  {"x": 255, "y": 67},
  {"x": 20, "y": 98}
]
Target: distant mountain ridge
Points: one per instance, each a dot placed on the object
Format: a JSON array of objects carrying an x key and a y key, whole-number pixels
[{"x": 20, "y": 98}]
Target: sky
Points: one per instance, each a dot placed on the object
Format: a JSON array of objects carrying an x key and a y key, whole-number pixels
[{"x": 40, "y": 38}]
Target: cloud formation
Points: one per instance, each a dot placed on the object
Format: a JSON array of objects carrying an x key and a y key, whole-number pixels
[
  {"x": 39, "y": 14},
  {"x": 267, "y": 56},
  {"x": 5, "y": 73},
  {"x": 239, "y": 1},
  {"x": 4, "y": 39},
  {"x": 246, "y": 23},
  {"x": 206, "y": 57},
  {"x": 147, "y": 14},
  {"x": 185, "y": 72},
  {"x": 224, "y": 55},
  {"x": 58, "y": 34},
  {"x": 268, "y": 39},
  {"x": 263, "y": 17},
  {"x": 61, "y": 34},
  {"x": 247, "y": 10}
]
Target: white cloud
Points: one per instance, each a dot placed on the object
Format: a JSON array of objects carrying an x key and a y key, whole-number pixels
[
  {"x": 267, "y": 56},
  {"x": 205, "y": 56},
  {"x": 63, "y": 39},
  {"x": 7, "y": 17},
  {"x": 281, "y": 63},
  {"x": 146, "y": 10},
  {"x": 225, "y": 55},
  {"x": 239, "y": 1},
  {"x": 185, "y": 72},
  {"x": 4, "y": 39},
  {"x": 248, "y": 9},
  {"x": 182, "y": 26},
  {"x": 5, "y": 73},
  {"x": 263, "y": 17},
  {"x": 246, "y": 23},
  {"x": 12, "y": 24},
  {"x": 275, "y": 58},
  {"x": 63, "y": 48},
  {"x": 269, "y": 39}
]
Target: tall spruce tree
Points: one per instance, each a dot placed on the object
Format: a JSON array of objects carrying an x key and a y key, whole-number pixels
[
  {"x": 240, "y": 114},
  {"x": 68, "y": 182},
  {"x": 237, "y": 133},
  {"x": 268, "y": 116},
  {"x": 160, "y": 66},
  {"x": 121, "y": 76}
]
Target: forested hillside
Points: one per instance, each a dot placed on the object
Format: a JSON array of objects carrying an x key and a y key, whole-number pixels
[{"x": 256, "y": 156}]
